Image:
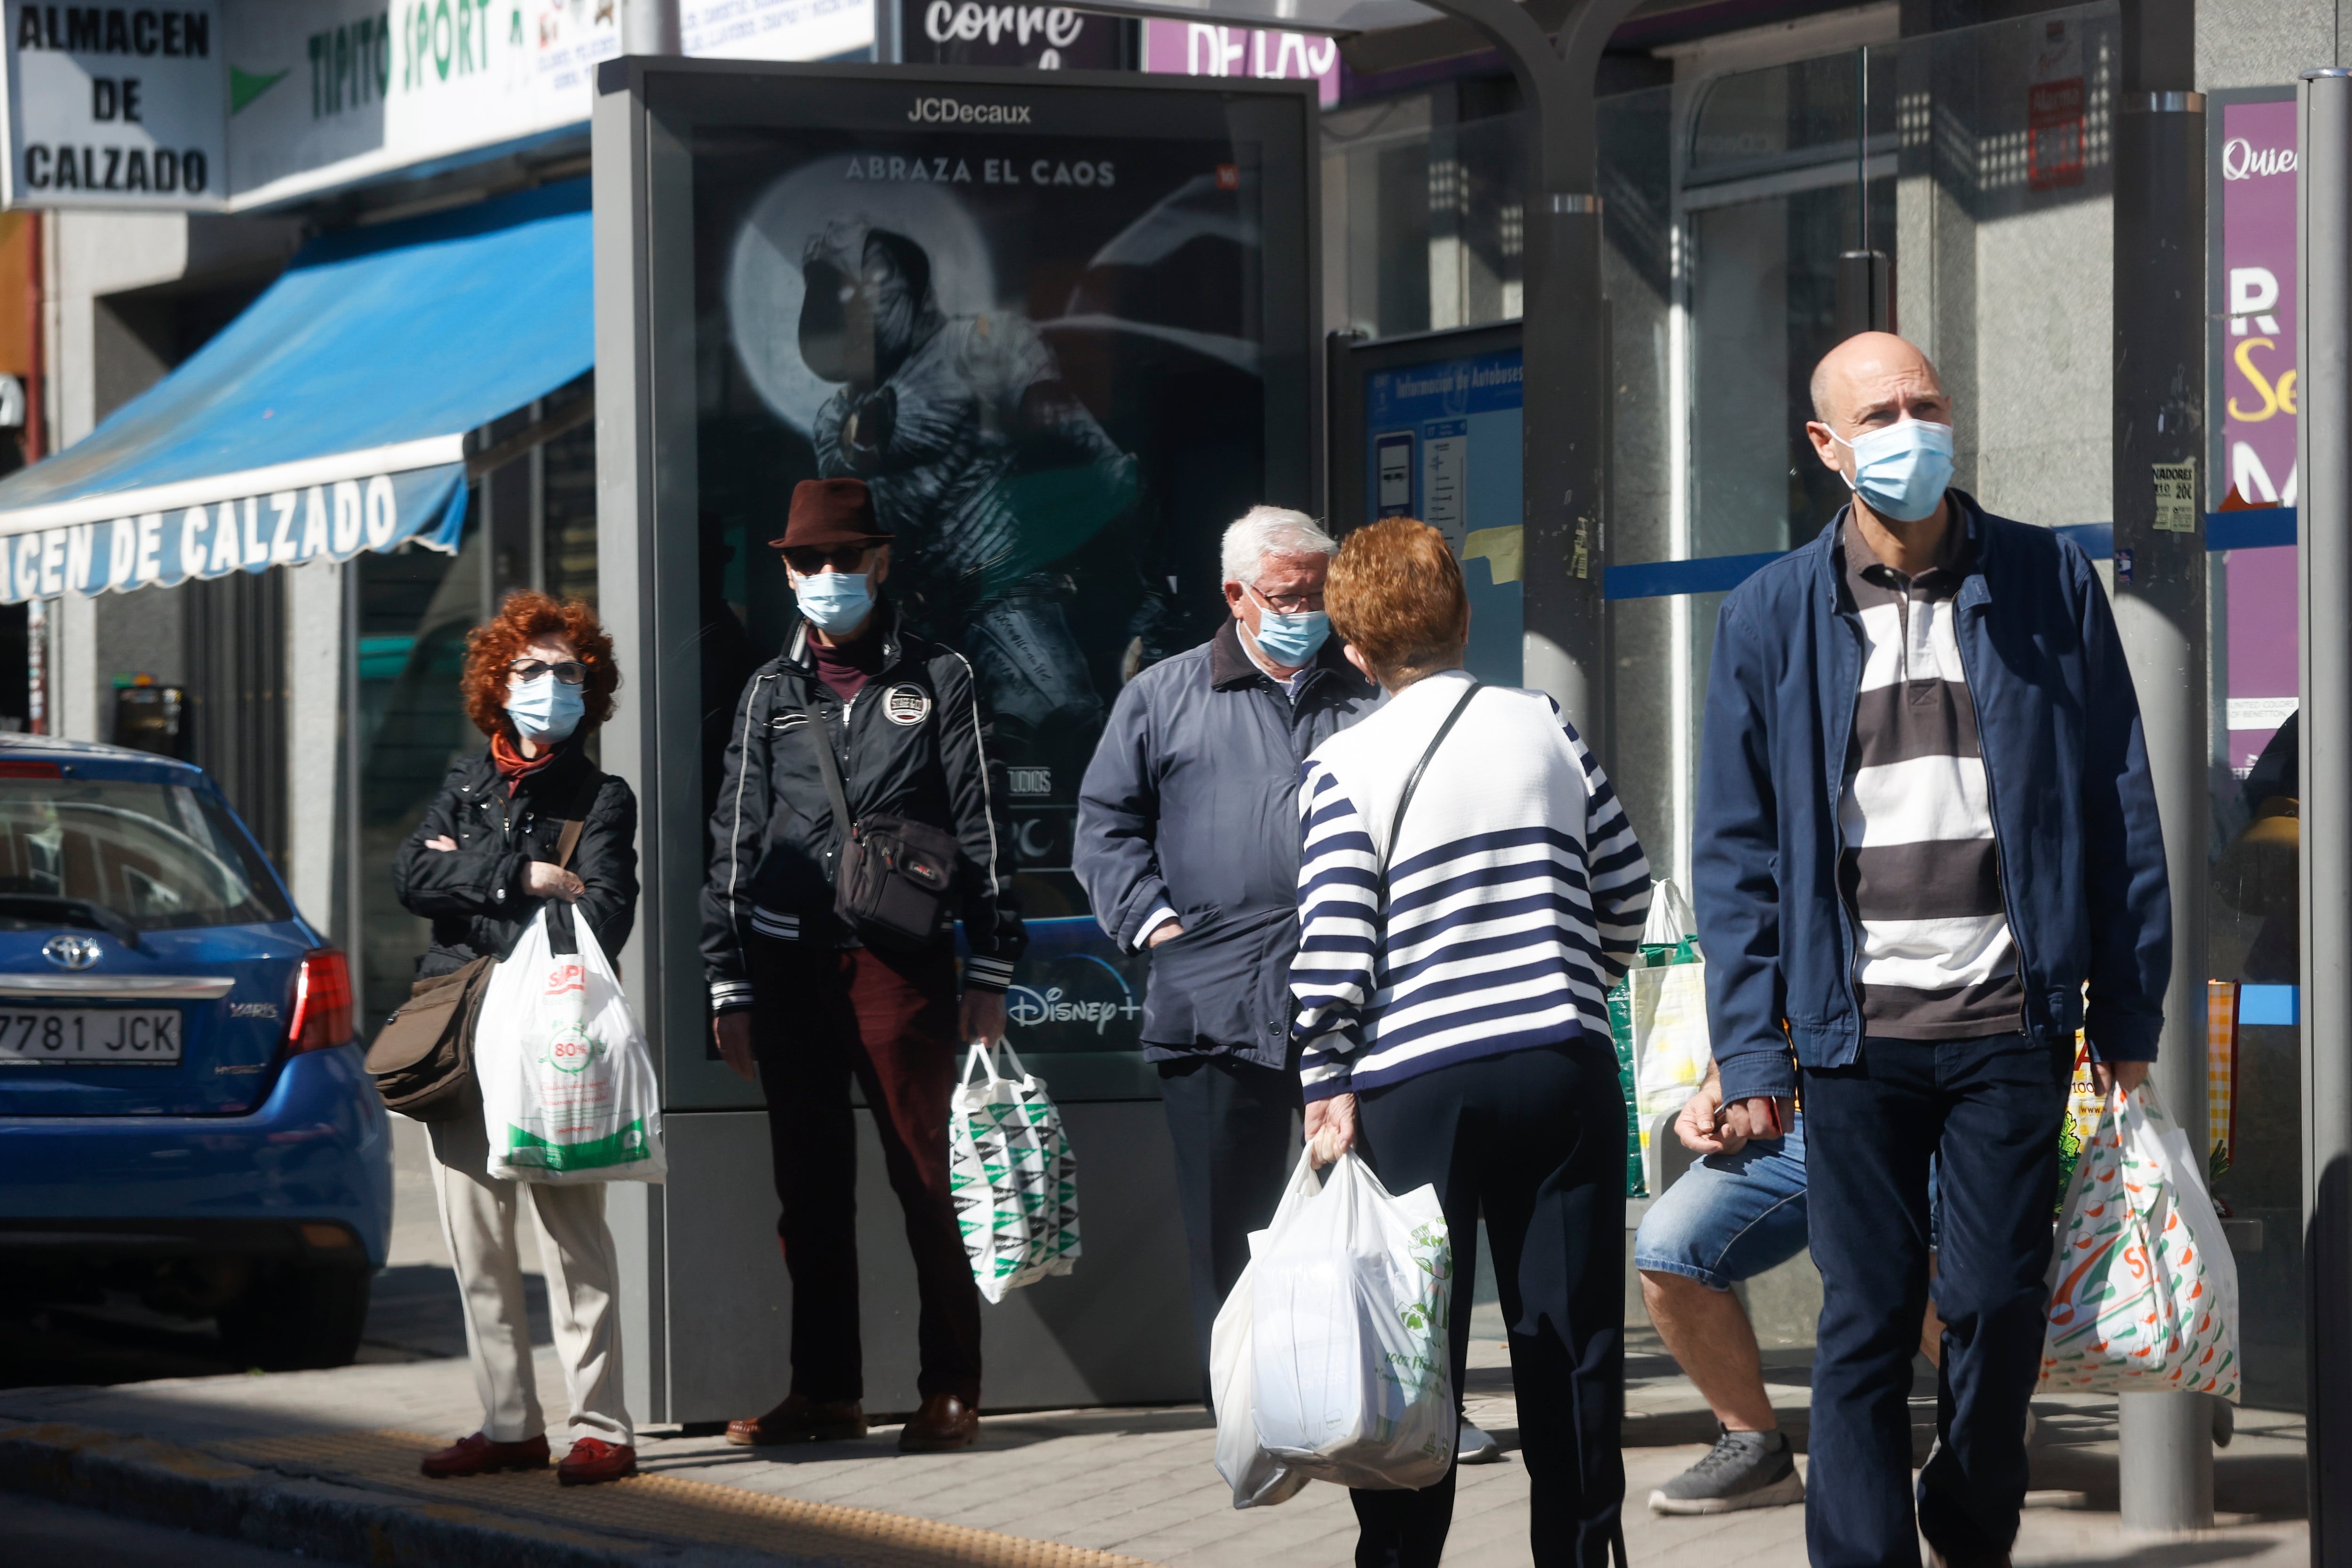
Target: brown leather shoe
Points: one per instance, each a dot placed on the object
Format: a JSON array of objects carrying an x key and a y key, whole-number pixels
[
  {"x": 478, "y": 1456},
  {"x": 593, "y": 1459},
  {"x": 943, "y": 1424},
  {"x": 800, "y": 1419}
]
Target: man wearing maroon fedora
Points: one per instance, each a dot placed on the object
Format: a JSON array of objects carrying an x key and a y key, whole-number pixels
[{"x": 809, "y": 999}]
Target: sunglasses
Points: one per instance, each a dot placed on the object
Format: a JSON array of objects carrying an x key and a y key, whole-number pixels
[
  {"x": 809, "y": 561},
  {"x": 571, "y": 672}
]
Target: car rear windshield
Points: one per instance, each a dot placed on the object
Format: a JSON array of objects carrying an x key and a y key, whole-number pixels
[{"x": 120, "y": 852}]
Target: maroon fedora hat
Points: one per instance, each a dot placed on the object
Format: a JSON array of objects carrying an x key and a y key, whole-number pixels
[{"x": 830, "y": 513}]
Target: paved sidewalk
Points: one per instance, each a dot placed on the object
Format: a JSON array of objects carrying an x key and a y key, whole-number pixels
[{"x": 1134, "y": 1484}]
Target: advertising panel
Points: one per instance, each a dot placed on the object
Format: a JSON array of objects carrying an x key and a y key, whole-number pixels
[
  {"x": 2255, "y": 383},
  {"x": 1212, "y": 49},
  {"x": 1064, "y": 338},
  {"x": 114, "y": 107},
  {"x": 774, "y": 29},
  {"x": 1043, "y": 37},
  {"x": 324, "y": 94},
  {"x": 335, "y": 93}
]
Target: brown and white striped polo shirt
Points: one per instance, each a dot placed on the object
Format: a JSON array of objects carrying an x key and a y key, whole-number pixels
[{"x": 1920, "y": 870}]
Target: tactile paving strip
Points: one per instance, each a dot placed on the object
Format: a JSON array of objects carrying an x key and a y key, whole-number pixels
[{"x": 672, "y": 1508}]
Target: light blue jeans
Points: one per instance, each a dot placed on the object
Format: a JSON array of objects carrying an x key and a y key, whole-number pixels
[{"x": 1730, "y": 1217}]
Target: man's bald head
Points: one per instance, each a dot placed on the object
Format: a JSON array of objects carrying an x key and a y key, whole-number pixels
[{"x": 1871, "y": 371}]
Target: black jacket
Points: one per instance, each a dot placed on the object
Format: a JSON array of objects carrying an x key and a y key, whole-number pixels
[
  {"x": 473, "y": 894},
  {"x": 916, "y": 743},
  {"x": 1190, "y": 807}
]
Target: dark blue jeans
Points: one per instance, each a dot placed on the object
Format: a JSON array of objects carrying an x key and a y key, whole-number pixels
[{"x": 1989, "y": 1109}]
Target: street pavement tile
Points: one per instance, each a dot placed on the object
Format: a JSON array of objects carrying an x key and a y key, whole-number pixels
[{"x": 1142, "y": 1483}]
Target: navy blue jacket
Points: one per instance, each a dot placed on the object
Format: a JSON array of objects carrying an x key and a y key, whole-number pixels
[
  {"x": 2074, "y": 825},
  {"x": 1192, "y": 805}
]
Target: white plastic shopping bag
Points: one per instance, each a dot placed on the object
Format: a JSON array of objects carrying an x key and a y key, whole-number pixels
[
  {"x": 1351, "y": 1373},
  {"x": 1011, "y": 1173},
  {"x": 1257, "y": 1477},
  {"x": 2142, "y": 1288},
  {"x": 567, "y": 1079}
]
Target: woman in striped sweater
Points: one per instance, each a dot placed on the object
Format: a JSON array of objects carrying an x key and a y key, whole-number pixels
[{"x": 1450, "y": 978}]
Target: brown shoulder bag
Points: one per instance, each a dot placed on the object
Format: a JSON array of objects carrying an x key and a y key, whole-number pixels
[{"x": 423, "y": 1057}]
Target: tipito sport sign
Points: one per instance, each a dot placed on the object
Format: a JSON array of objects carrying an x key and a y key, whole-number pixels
[{"x": 114, "y": 106}]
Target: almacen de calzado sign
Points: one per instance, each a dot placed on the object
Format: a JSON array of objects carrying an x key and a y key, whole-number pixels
[{"x": 114, "y": 106}]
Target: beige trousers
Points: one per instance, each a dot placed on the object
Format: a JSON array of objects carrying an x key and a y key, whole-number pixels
[{"x": 478, "y": 1220}]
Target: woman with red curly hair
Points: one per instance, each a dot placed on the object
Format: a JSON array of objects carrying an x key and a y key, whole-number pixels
[{"x": 527, "y": 819}]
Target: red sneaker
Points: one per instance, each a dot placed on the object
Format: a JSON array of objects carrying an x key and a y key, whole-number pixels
[
  {"x": 593, "y": 1459},
  {"x": 478, "y": 1456}
]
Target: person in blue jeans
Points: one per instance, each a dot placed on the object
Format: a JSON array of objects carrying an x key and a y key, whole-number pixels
[
  {"x": 1927, "y": 852},
  {"x": 1737, "y": 1213}
]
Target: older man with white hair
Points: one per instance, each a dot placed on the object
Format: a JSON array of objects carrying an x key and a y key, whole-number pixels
[{"x": 1188, "y": 844}]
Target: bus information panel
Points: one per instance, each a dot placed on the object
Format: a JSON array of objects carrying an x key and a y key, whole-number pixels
[
  {"x": 1061, "y": 324},
  {"x": 1428, "y": 426}
]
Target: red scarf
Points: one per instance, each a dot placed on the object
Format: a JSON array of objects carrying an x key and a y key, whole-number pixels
[{"x": 512, "y": 764}]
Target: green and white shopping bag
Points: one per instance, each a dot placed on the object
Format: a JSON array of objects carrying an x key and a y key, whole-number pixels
[{"x": 1012, "y": 1174}]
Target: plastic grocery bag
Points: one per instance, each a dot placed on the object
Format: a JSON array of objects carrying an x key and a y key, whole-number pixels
[
  {"x": 567, "y": 1080},
  {"x": 1658, "y": 1014},
  {"x": 1012, "y": 1174},
  {"x": 1257, "y": 1477},
  {"x": 2143, "y": 1287},
  {"x": 1349, "y": 1366}
]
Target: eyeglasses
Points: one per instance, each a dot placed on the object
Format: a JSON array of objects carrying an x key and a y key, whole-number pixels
[
  {"x": 1289, "y": 603},
  {"x": 809, "y": 561},
  {"x": 571, "y": 672}
]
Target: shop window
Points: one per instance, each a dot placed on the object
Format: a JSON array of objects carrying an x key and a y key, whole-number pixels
[
  {"x": 235, "y": 637},
  {"x": 414, "y": 608}
]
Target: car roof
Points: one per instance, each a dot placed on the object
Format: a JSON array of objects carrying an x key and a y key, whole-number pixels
[{"x": 30, "y": 748}]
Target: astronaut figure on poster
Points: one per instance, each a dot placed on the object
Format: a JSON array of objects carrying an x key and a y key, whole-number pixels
[{"x": 985, "y": 466}]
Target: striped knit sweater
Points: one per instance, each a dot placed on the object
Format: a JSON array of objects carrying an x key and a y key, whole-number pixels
[{"x": 1517, "y": 894}]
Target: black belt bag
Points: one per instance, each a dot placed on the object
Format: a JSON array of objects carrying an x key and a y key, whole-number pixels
[{"x": 892, "y": 885}]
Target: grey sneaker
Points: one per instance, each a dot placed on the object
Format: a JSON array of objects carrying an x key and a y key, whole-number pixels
[
  {"x": 1477, "y": 1448},
  {"x": 1744, "y": 1469}
]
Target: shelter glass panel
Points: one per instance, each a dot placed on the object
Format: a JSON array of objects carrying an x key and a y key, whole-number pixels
[{"x": 1064, "y": 360}]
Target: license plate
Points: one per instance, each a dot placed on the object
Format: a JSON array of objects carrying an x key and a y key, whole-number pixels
[{"x": 95, "y": 1036}]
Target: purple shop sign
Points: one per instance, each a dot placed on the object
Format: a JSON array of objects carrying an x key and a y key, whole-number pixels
[
  {"x": 1200, "y": 48},
  {"x": 2258, "y": 407}
]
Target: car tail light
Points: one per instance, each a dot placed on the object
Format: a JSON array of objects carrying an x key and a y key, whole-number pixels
[
  {"x": 322, "y": 1001},
  {"x": 30, "y": 771}
]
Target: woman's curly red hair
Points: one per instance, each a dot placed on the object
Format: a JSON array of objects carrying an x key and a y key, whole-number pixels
[{"x": 524, "y": 617}]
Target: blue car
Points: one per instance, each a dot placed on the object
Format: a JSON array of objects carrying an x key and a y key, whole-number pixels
[{"x": 183, "y": 1110}]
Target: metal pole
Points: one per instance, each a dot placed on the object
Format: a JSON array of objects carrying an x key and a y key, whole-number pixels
[
  {"x": 2161, "y": 589},
  {"x": 650, "y": 28},
  {"x": 1563, "y": 341},
  {"x": 2324, "y": 467}
]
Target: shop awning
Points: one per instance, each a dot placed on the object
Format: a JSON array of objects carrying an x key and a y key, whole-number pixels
[{"x": 330, "y": 418}]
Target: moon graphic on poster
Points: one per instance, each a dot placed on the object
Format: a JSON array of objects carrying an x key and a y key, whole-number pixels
[{"x": 763, "y": 277}]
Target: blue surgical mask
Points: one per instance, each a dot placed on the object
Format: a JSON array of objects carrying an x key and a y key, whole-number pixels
[
  {"x": 1290, "y": 639},
  {"x": 835, "y": 600},
  {"x": 1901, "y": 471},
  {"x": 545, "y": 708}
]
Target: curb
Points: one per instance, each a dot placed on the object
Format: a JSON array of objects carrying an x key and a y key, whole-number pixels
[
  {"x": 354, "y": 1497},
  {"x": 186, "y": 1488}
]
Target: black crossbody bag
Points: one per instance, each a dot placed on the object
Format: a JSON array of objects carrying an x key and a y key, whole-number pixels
[
  {"x": 1413, "y": 783},
  {"x": 892, "y": 885}
]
